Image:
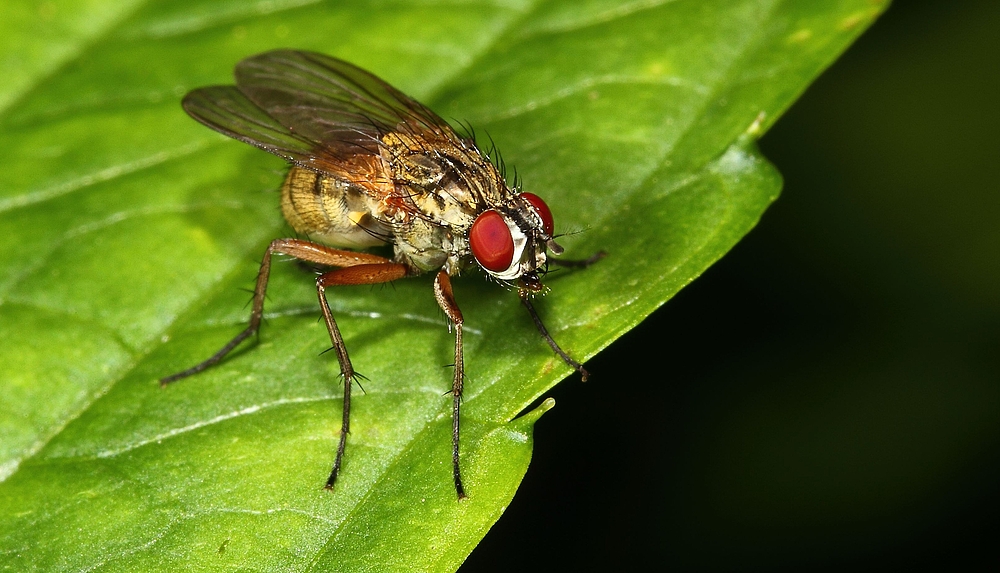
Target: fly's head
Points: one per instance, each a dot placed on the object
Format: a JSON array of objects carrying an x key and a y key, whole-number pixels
[{"x": 509, "y": 241}]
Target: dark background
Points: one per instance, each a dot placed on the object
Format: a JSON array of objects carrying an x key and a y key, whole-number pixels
[{"x": 827, "y": 395}]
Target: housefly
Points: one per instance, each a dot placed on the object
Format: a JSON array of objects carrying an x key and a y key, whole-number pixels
[{"x": 371, "y": 166}]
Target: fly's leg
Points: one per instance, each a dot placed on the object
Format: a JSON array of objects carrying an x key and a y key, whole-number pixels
[
  {"x": 578, "y": 263},
  {"x": 446, "y": 300},
  {"x": 302, "y": 250},
  {"x": 356, "y": 268},
  {"x": 525, "y": 294},
  {"x": 356, "y": 275},
  {"x": 526, "y": 301}
]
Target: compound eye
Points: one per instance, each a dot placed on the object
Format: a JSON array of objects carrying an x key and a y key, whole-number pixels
[
  {"x": 491, "y": 242},
  {"x": 543, "y": 211}
]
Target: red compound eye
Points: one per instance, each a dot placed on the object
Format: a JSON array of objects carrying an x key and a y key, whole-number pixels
[
  {"x": 543, "y": 211},
  {"x": 491, "y": 242}
]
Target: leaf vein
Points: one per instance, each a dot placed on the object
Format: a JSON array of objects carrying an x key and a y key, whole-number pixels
[
  {"x": 588, "y": 83},
  {"x": 100, "y": 176},
  {"x": 618, "y": 12}
]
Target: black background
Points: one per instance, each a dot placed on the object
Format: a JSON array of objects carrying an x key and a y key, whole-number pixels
[{"x": 827, "y": 395}]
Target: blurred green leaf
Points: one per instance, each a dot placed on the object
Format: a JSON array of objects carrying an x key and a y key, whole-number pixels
[{"x": 129, "y": 230}]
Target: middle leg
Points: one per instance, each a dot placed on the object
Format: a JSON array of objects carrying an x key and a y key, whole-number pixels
[
  {"x": 446, "y": 300},
  {"x": 356, "y": 275}
]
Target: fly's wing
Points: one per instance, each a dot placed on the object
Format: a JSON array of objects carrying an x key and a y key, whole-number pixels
[
  {"x": 226, "y": 110},
  {"x": 333, "y": 103}
]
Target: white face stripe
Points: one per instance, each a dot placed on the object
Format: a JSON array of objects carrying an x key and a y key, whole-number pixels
[{"x": 520, "y": 242}]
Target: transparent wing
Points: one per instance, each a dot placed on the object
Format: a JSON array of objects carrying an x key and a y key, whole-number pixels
[
  {"x": 226, "y": 110},
  {"x": 333, "y": 103}
]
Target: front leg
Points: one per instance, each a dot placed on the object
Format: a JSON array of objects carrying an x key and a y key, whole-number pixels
[
  {"x": 446, "y": 300},
  {"x": 578, "y": 263},
  {"x": 526, "y": 301}
]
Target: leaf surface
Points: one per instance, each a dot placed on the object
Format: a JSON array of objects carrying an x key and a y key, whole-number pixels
[{"x": 129, "y": 231}]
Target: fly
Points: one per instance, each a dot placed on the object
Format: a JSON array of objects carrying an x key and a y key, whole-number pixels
[{"x": 371, "y": 166}]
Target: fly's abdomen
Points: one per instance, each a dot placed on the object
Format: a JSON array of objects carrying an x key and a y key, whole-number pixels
[{"x": 330, "y": 210}]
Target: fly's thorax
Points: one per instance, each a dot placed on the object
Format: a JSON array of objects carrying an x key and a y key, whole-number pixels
[
  {"x": 444, "y": 188},
  {"x": 434, "y": 234},
  {"x": 332, "y": 211},
  {"x": 425, "y": 246}
]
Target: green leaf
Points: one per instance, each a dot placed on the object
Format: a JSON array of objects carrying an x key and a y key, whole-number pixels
[{"x": 129, "y": 231}]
